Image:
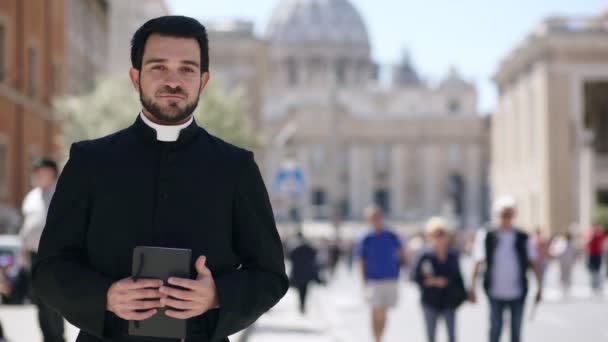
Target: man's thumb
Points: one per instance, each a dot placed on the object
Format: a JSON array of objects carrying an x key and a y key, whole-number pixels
[{"x": 200, "y": 266}]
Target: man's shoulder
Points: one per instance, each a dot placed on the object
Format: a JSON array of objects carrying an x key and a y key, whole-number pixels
[
  {"x": 228, "y": 150},
  {"x": 99, "y": 144}
]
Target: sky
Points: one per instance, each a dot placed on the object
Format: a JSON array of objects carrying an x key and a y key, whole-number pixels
[{"x": 471, "y": 35}]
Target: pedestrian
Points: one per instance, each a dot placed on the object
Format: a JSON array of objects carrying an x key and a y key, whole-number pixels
[
  {"x": 380, "y": 256},
  {"x": 440, "y": 280},
  {"x": 162, "y": 182},
  {"x": 541, "y": 246},
  {"x": 35, "y": 208},
  {"x": 335, "y": 251},
  {"x": 565, "y": 251},
  {"x": 507, "y": 253},
  {"x": 594, "y": 245},
  {"x": 304, "y": 268}
]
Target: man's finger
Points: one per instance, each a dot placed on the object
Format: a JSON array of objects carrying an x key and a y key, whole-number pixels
[
  {"x": 182, "y": 314},
  {"x": 142, "y": 305},
  {"x": 201, "y": 267},
  {"x": 179, "y": 294},
  {"x": 185, "y": 283},
  {"x": 144, "y": 294},
  {"x": 179, "y": 304},
  {"x": 138, "y": 316},
  {"x": 130, "y": 284}
]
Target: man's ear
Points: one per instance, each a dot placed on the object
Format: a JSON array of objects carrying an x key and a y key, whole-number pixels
[
  {"x": 134, "y": 76},
  {"x": 204, "y": 80}
]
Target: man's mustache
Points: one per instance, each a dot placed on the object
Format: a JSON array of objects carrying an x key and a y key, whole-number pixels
[{"x": 171, "y": 91}]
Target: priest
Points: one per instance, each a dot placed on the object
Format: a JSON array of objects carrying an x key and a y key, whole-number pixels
[{"x": 164, "y": 181}]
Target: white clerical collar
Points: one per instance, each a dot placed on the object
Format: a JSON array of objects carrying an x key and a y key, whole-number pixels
[{"x": 163, "y": 132}]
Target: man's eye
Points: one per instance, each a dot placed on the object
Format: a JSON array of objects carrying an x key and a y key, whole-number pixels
[
  {"x": 186, "y": 69},
  {"x": 158, "y": 67}
]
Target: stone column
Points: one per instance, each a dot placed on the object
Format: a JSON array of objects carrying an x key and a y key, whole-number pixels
[
  {"x": 473, "y": 183},
  {"x": 430, "y": 191},
  {"x": 587, "y": 197},
  {"x": 361, "y": 168},
  {"x": 397, "y": 180}
]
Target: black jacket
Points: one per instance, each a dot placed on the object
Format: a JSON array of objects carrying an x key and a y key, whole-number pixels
[
  {"x": 128, "y": 189},
  {"x": 521, "y": 250},
  {"x": 440, "y": 298},
  {"x": 304, "y": 268}
]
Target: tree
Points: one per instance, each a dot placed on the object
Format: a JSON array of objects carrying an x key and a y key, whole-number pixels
[
  {"x": 601, "y": 216},
  {"x": 113, "y": 105}
]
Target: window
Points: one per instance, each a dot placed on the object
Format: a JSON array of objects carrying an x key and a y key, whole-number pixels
[
  {"x": 3, "y": 52},
  {"x": 32, "y": 80},
  {"x": 3, "y": 166},
  {"x": 319, "y": 197},
  {"x": 453, "y": 106},
  {"x": 382, "y": 199},
  {"x": 602, "y": 197}
]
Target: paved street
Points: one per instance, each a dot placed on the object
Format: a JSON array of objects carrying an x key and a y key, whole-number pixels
[{"x": 338, "y": 313}]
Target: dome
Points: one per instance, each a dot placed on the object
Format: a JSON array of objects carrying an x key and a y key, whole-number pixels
[{"x": 317, "y": 21}]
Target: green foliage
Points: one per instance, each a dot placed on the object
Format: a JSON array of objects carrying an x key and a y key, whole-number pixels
[{"x": 601, "y": 216}]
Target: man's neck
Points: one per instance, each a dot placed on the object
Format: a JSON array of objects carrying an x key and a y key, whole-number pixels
[{"x": 165, "y": 132}]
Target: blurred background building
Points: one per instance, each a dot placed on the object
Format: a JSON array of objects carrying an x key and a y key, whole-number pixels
[
  {"x": 48, "y": 49},
  {"x": 415, "y": 149},
  {"x": 125, "y": 18},
  {"x": 550, "y": 137}
]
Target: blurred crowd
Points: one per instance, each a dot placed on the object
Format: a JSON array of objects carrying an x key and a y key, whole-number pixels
[{"x": 502, "y": 254}]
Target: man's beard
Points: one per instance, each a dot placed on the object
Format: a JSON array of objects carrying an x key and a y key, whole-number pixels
[{"x": 172, "y": 113}]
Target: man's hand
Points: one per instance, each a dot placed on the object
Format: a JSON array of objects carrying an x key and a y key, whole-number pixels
[
  {"x": 197, "y": 297},
  {"x": 539, "y": 295},
  {"x": 472, "y": 297},
  {"x": 134, "y": 300},
  {"x": 439, "y": 282}
]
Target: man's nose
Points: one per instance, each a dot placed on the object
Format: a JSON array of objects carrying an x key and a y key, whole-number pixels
[{"x": 172, "y": 80}]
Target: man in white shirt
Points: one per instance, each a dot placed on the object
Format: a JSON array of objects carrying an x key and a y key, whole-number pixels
[
  {"x": 508, "y": 253},
  {"x": 35, "y": 208}
]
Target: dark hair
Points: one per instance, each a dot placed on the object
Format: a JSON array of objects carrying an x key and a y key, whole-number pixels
[
  {"x": 44, "y": 163},
  {"x": 170, "y": 26}
]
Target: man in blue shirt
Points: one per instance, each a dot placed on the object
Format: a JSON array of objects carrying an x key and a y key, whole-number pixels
[{"x": 380, "y": 255}]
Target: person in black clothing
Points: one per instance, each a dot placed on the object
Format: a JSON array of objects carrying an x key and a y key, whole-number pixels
[
  {"x": 164, "y": 182},
  {"x": 304, "y": 268},
  {"x": 437, "y": 272}
]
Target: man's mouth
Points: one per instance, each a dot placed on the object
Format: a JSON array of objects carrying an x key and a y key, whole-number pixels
[{"x": 171, "y": 96}]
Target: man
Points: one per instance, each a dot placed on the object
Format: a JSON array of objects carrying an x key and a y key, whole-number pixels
[
  {"x": 508, "y": 253},
  {"x": 164, "y": 182},
  {"x": 380, "y": 255},
  {"x": 541, "y": 247},
  {"x": 35, "y": 207},
  {"x": 594, "y": 246},
  {"x": 304, "y": 268}
]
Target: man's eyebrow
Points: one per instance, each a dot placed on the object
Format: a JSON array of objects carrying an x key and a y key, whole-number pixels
[
  {"x": 155, "y": 60},
  {"x": 189, "y": 62},
  {"x": 164, "y": 60}
]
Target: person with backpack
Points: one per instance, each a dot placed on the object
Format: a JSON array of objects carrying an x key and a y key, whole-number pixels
[
  {"x": 508, "y": 253},
  {"x": 380, "y": 255},
  {"x": 438, "y": 275}
]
